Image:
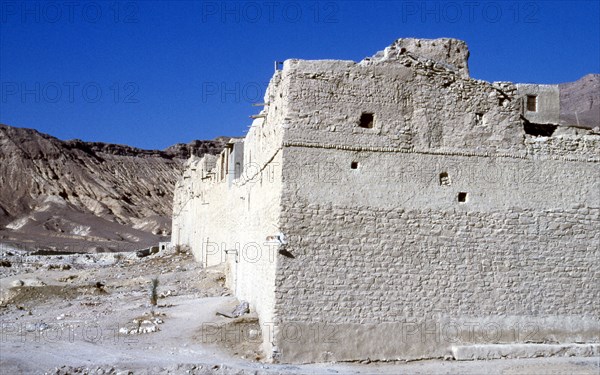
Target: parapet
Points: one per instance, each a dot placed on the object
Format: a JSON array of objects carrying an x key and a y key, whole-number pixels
[{"x": 453, "y": 54}]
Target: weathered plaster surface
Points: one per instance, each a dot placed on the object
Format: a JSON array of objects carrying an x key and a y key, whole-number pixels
[{"x": 443, "y": 225}]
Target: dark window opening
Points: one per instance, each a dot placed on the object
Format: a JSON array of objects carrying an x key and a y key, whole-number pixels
[
  {"x": 502, "y": 101},
  {"x": 531, "y": 103},
  {"x": 366, "y": 120},
  {"x": 238, "y": 170},
  {"x": 354, "y": 165},
  {"x": 223, "y": 164},
  {"x": 478, "y": 118},
  {"x": 444, "y": 179},
  {"x": 539, "y": 130},
  {"x": 462, "y": 197}
]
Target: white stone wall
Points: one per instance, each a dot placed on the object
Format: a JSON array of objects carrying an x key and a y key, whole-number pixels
[
  {"x": 188, "y": 196},
  {"x": 385, "y": 247},
  {"x": 387, "y": 263},
  {"x": 443, "y": 224}
]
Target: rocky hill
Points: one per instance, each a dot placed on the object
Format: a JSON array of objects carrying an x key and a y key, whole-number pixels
[
  {"x": 580, "y": 102},
  {"x": 86, "y": 196}
]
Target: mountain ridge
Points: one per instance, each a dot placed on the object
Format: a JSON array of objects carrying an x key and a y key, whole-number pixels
[
  {"x": 580, "y": 102},
  {"x": 102, "y": 196}
]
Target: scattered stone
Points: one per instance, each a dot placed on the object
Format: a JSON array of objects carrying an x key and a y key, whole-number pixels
[
  {"x": 33, "y": 282},
  {"x": 141, "y": 326},
  {"x": 147, "y": 252},
  {"x": 168, "y": 293},
  {"x": 67, "y": 278},
  {"x": 33, "y": 327},
  {"x": 61, "y": 267},
  {"x": 241, "y": 309}
]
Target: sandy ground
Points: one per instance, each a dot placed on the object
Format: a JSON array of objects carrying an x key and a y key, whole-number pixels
[{"x": 92, "y": 314}]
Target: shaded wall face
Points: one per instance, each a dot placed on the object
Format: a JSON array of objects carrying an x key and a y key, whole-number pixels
[{"x": 397, "y": 254}]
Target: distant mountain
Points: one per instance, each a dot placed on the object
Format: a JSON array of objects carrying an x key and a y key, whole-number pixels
[
  {"x": 580, "y": 102},
  {"x": 75, "y": 195}
]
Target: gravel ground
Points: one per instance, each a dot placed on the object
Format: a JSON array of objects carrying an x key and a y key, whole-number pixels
[{"x": 92, "y": 314}]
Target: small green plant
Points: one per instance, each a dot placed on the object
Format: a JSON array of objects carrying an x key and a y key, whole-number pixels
[{"x": 153, "y": 291}]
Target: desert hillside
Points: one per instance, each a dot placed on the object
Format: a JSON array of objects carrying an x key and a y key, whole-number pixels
[
  {"x": 83, "y": 196},
  {"x": 580, "y": 102}
]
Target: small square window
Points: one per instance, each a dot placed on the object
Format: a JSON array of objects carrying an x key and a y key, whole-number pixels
[
  {"x": 462, "y": 197},
  {"x": 532, "y": 103},
  {"x": 478, "y": 118},
  {"x": 367, "y": 120},
  {"x": 354, "y": 165},
  {"x": 444, "y": 179}
]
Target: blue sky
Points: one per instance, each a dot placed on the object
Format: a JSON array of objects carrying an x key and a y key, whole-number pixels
[{"x": 151, "y": 73}]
